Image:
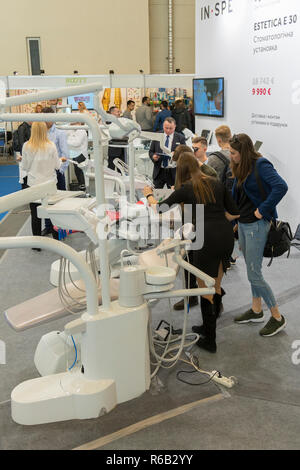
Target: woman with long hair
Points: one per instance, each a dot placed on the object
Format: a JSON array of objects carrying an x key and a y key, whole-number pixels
[
  {"x": 192, "y": 189},
  {"x": 251, "y": 170},
  {"x": 40, "y": 161},
  {"x": 208, "y": 171}
]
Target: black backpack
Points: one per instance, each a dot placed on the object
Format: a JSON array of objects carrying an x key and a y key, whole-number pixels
[
  {"x": 16, "y": 141},
  {"x": 278, "y": 241},
  {"x": 280, "y": 235},
  {"x": 226, "y": 177}
]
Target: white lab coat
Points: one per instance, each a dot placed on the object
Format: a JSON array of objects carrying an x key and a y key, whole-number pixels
[{"x": 78, "y": 143}]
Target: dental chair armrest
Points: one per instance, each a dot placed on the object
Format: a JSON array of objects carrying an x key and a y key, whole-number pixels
[
  {"x": 209, "y": 281},
  {"x": 180, "y": 293}
]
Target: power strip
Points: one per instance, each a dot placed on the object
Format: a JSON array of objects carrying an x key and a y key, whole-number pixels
[
  {"x": 162, "y": 333},
  {"x": 220, "y": 379}
]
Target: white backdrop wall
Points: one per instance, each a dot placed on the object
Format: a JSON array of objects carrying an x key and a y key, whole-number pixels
[{"x": 255, "y": 45}]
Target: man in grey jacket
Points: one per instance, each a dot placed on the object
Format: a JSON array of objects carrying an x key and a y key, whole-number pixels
[
  {"x": 144, "y": 115},
  {"x": 219, "y": 160}
]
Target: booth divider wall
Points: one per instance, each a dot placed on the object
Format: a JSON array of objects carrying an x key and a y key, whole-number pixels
[{"x": 254, "y": 46}]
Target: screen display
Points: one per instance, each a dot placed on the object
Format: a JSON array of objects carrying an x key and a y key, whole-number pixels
[
  {"x": 86, "y": 99},
  {"x": 208, "y": 95}
]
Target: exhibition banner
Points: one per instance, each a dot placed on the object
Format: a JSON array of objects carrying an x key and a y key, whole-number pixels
[{"x": 255, "y": 45}]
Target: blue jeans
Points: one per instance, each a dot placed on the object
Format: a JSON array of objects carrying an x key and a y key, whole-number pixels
[{"x": 252, "y": 240}]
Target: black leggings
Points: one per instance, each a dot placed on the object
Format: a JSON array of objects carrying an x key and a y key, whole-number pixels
[
  {"x": 78, "y": 171},
  {"x": 36, "y": 222}
]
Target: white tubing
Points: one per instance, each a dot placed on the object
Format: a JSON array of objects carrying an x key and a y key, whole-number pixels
[{"x": 66, "y": 252}]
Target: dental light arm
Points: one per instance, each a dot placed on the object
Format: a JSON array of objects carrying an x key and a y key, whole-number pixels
[
  {"x": 127, "y": 126},
  {"x": 51, "y": 94}
]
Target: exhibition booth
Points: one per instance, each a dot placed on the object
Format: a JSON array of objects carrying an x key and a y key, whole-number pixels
[
  {"x": 110, "y": 283},
  {"x": 253, "y": 45}
]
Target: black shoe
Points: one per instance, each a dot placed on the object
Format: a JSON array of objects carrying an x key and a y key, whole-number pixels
[
  {"x": 46, "y": 231},
  {"x": 36, "y": 249},
  {"x": 233, "y": 261},
  {"x": 198, "y": 329},
  {"x": 204, "y": 343},
  {"x": 192, "y": 301}
]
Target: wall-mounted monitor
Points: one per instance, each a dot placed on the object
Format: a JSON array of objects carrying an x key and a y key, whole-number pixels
[
  {"x": 208, "y": 96},
  {"x": 87, "y": 99}
]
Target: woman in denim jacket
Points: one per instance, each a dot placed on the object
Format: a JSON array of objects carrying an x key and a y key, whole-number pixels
[{"x": 254, "y": 224}]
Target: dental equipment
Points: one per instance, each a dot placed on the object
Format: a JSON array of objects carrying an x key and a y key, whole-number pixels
[{"x": 106, "y": 376}]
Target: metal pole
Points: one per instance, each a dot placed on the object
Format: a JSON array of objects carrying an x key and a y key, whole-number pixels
[{"x": 170, "y": 37}]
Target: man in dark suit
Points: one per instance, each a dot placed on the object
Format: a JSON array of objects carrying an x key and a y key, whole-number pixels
[{"x": 161, "y": 174}]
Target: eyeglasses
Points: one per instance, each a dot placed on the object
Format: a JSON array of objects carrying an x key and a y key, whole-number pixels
[{"x": 195, "y": 149}]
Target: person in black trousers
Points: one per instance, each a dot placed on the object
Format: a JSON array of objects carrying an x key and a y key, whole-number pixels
[
  {"x": 117, "y": 151},
  {"x": 161, "y": 174},
  {"x": 40, "y": 160},
  {"x": 193, "y": 188}
]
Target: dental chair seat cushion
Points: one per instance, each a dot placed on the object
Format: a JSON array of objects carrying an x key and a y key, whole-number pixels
[{"x": 47, "y": 307}]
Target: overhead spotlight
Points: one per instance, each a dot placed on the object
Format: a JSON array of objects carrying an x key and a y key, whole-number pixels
[
  {"x": 75, "y": 72},
  {"x": 16, "y": 73},
  {"x": 42, "y": 72},
  {"x": 112, "y": 72}
]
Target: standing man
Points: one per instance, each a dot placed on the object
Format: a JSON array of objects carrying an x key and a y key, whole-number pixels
[
  {"x": 161, "y": 174},
  {"x": 115, "y": 152},
  {"x": 78, "y": 145},
  {"x": 220, "y": 160},
  {"x": 200, "y": 148},
  {"x": 161, "y": 116},
  {"x": 143, "y": 115},
  {"x": 128, "y": 112},
  {"x": 59, "y": 138}
]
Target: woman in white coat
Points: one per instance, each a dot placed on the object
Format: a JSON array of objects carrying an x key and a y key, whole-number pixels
[{"x": 40, "y": 161}]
